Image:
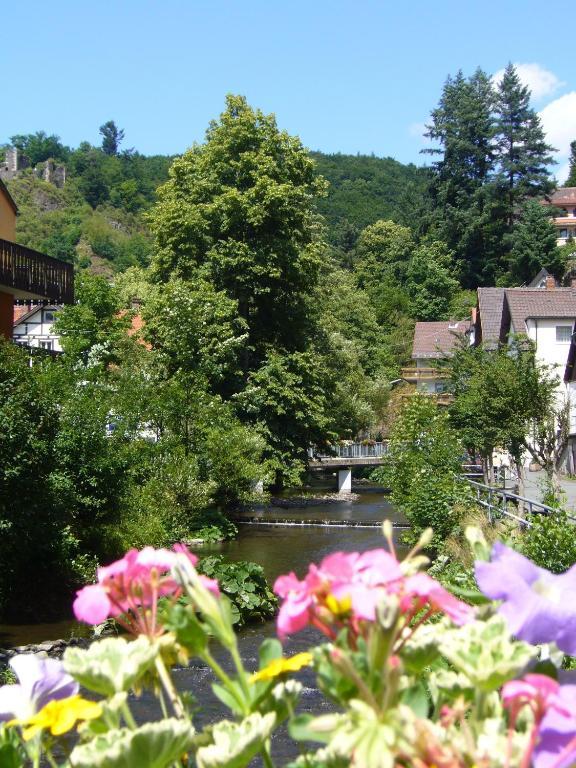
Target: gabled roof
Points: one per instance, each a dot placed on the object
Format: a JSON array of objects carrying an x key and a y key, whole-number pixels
[
  {"x": 28, "y": 313},
  {"x": 525, "y": 303},
  {"x": 490, "y": 310},
  {"x": 8, "y": 196},
  {"x": 437, "y": 339},
  {"x": 562, "y": 197}
]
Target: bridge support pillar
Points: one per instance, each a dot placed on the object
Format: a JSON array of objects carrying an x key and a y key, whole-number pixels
[{"x": 345, "y": 480}]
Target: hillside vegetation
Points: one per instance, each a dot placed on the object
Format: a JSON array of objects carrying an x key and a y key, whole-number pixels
[{"x": 98, "y": 219}]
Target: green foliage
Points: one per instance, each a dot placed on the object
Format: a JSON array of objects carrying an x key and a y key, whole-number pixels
[
  {"x": 430, "y": 283},
  {"x": 92, "y": 330},
  {"x": 493, "y": 157},
  {"x": 550, "y": 542},
  {"x": 364, "y": 189},
  {"x": 245, "y": 585},
  {"x": 423, "y": 470},
  {"x": 153, "y": 745},
  {"x": 38, "y": 147},
  {"x": 534, "y": 246},
  {"x": 112, "y": 137}
]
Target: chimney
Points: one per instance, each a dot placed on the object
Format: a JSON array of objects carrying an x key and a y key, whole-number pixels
[{"x": 550, "y": 283}]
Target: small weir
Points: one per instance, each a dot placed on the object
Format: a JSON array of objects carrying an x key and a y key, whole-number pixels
[{"x": 316, "y": 523}]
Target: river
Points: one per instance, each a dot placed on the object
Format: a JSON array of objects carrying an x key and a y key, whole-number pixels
[{"x": 279, "y": 548}]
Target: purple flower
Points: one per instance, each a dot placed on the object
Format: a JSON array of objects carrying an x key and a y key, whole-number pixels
[
  {"x": 539, "y": 607},
  {"x": 40, "y": 681},
  {"x": 556, "y": 743}
]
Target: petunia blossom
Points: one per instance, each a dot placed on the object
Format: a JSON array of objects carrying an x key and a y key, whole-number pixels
[
  {"x": 39, "y": 682},
  {"x": 538, "y": 606},
  {"x": 556, "y": 742}
]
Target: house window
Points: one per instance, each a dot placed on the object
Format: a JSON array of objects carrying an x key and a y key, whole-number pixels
[
  {"x": 563, "y": 233},
  {"x": 564, "y": 334},
  {"x": 48, "y": 317},
  {"x": 45, "y": 344}
]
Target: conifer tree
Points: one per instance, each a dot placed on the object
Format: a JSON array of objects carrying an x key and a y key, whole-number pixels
[
  {"x": 571, "y": 180},
  {"x": 534, "y": 245},
  {"x": 522, "y": 152},
  {"x": 464, "y": 127}
]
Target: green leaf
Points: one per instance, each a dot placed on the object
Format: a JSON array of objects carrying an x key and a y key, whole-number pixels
[
  {"x": 235, "y": 744},
  {"x": 416, "y": 697},
  {"x": 154, "y": 745},
  {"x": 111, "y": 665},
  {"x": 188, "y": 630},
  {"x": 270, "y": 649},
  {"x": 227, "y": 697}
]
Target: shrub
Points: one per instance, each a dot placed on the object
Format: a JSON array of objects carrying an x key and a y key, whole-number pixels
[
  {"x": 550, "y": 542},
  {"x": 246, "y": 586}
]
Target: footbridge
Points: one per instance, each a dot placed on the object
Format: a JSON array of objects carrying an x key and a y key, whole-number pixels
[{"x": 344, "y": 457}]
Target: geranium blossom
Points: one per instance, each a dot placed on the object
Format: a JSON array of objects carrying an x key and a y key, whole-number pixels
[
  {"x": 353, "y": 585},
  {"x": 39, "y": 681},
  {"x": 133, "y": 583},
  {"x": 538, "y": 606}
]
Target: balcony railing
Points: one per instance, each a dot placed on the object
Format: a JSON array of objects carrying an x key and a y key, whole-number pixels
[
  {"x": 34, "y": 273},
  {"x": 419, "y": 374}
]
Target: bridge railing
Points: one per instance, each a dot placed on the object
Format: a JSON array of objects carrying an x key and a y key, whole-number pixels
[
  {"x": 351, "y": 451},
  {"x": 498, "y": 502}
]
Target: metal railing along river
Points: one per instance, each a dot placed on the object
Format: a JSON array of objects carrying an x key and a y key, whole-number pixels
[{"x": 497, "y": 500}]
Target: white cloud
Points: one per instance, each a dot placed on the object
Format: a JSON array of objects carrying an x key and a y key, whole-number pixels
[
  {"x": 541, "y": 81},
  {"x": 559, "y": 123}
]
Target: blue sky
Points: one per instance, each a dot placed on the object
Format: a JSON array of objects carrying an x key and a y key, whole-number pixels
[{"x": 345, "y": 76}]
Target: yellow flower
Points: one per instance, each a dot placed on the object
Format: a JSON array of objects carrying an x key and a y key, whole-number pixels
[
  {"x": 339, "y": 607},
  {"x": 60, "y": 716},
  {"x": 279, "y": 666}
]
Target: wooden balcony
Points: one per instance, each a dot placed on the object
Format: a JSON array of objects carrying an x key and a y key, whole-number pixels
[
  {"x": 442, "y": 398},
  {"x": 28, "y": 274},
  {"x": 422, "y": 374}
]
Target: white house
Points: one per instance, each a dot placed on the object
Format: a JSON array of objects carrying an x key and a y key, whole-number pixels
[
  {"x": 33, "y": 327},
  {"x": 547, "y": 316}
]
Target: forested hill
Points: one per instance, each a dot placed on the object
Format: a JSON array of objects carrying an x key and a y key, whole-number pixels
[
  {"x": 365, "y": 188},
  {"x": 97, "y": 219}
]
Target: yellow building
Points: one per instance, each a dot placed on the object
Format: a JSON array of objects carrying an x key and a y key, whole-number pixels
[{"x": 26, "y": 274}]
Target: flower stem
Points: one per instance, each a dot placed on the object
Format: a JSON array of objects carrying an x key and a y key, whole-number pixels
[
  {"x": 169, "y": 687},
  {"x": 129, "y": 719}
]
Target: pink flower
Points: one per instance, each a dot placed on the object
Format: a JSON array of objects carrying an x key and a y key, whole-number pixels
[
  {"x": 130, "y": 588},
  {"x": 349, "y": 587},
  {"x": 428, "y": 591},
  {"x": 295, "y": 611},
  {"x": 538, "y": 691}
]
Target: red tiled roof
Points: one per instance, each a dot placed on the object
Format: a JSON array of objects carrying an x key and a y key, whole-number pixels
[
  {"x": 561, "y": 197},
  {"x": 490, "y": 309},
  {"x": 524, "y": 303},
  {"x": 437, "y": 339}
]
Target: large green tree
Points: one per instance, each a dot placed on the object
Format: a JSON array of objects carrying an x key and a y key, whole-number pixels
[
  {"x": 571, "y": 180},
  {"x": 534, "y": 246},
  {"x": 522, "y": 155},
  {"x": 463, "y": 216},
  {"x": 237, "y": 214}
]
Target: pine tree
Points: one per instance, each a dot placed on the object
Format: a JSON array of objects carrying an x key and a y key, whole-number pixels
[
  {"x": 534, "y": 245},
  {"x": 571, "y": 180},
  {"x": 463, "y": 125},
  {"x": 522, "y": 152}
]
